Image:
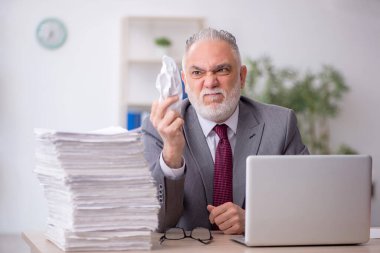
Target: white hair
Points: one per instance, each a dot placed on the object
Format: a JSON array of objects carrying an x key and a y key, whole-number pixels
[{"x": 212, "y": 34}]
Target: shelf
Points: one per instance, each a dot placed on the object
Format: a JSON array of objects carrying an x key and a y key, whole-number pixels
[
  {"x": 141, "y": 60},
  {"x": 150, "y": 61},
  {"x": 139, "y": 107}
]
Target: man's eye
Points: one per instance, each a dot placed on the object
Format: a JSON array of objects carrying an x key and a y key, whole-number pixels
[
  {"x": 196, "y": 73},
  {"x": 223, "y": 71}
]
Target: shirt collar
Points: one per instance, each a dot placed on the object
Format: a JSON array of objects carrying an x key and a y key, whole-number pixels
[{"x": 208, "y": 125}]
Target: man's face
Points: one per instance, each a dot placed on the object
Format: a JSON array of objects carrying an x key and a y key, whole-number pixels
[{"x": 213, "y": 78}]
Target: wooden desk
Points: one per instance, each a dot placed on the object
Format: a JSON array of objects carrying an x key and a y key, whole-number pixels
[{"x": 221, "y": 243}]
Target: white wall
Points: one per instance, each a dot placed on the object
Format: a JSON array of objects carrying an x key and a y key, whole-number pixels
[{"x": 76, "y": 86}]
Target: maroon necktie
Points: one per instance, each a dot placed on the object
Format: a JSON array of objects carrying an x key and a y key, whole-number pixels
[{"x": 223, "y": 168}]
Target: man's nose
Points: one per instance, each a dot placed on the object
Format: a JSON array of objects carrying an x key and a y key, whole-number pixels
[{"x": 210, "y": 80}]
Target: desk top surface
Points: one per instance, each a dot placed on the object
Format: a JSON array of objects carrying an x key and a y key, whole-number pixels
[{"x": 221, "y": 243}]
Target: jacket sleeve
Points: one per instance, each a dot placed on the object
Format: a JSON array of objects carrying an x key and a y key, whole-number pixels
[
  {"x": 170, "y": 192},
  {"x": 293, "y": 141}
]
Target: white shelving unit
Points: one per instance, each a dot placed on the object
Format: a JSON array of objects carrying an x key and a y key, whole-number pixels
[{"x": 141, "y": 58}]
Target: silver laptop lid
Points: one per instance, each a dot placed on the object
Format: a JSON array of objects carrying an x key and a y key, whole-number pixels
[{"x": 308, "y": 200}]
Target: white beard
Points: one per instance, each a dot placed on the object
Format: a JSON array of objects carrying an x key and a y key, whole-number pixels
[{"x": 216, "y": 113}]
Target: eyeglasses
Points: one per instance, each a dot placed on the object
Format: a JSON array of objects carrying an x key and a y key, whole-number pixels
[{"x": 200, "y": 234}]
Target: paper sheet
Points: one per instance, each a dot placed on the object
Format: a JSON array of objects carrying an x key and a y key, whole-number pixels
[
  {"x": 168, "y": 82},
  {"x": 375, "y": 233},
  {"x": 99, "y": 189}
]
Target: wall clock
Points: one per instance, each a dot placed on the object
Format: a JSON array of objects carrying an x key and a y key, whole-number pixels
[{"x": 51, "y": 33}]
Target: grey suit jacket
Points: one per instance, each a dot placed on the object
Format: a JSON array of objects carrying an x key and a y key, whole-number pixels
[{"x": 262, "y": 130}]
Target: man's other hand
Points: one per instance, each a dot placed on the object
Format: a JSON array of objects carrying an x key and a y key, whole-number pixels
[{"x": 230, "y": 218}]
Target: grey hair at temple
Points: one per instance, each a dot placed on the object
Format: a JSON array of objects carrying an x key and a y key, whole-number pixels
[{"x": 212, "y": 34}]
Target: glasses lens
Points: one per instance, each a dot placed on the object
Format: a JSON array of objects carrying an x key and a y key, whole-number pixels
[
  {"x": 201, "y": 234},
  {"x": 174, "y": 233}
]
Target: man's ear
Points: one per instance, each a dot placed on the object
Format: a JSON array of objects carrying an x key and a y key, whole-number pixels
[
  {"x": 243, "y": 75},
  {"x": 183, "y": 76}
]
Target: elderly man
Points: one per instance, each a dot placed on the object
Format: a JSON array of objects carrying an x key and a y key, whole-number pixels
[{"x": 198, "y": 156}]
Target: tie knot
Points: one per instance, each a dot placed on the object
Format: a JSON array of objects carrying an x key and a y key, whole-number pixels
[{"x": 221, "y": 131}]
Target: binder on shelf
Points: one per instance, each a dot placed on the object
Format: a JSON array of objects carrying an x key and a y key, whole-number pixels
[
  {"x": 184, "y": 94},
  {"x": 133, "y": 119}
]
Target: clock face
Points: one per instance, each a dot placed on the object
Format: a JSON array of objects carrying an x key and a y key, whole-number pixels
[{"x": 51, "y": 33}]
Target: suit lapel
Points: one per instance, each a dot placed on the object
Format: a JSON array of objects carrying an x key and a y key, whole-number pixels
[
  {"x": 248, "y": 138},
  {"x": 200, "y": 151}
]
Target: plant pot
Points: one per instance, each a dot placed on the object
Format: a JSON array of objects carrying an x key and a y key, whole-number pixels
[{"x": 160, "y": 51}]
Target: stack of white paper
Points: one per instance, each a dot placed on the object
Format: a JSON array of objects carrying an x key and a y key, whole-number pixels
[{"x": 99, "y": 189}]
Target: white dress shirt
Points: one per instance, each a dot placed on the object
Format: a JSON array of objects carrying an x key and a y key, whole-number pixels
[{"x": 212, "y": 141}]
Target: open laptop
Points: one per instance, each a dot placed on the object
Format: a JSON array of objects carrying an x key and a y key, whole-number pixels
[{"x": 307, "y": 200}]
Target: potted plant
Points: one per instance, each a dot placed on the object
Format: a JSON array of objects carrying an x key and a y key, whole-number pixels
[
  {"x": 163, "y": 44},
  {"x": 314, "y": 97}
]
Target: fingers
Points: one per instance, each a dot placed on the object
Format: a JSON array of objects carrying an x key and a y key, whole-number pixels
[
  {"x": 221, "y": 213},
  {"x": 229, "y": 217},
  {"x": 211, "y": 217},
  {"x": 159, "y": 110},
  {"x": 233, "y": 230},
  {"x": 228, "y": 222},
  {"x": 210, "y": 208},
  {"x": 217, "y": 211},
  {"x": 170, "y": 123}
]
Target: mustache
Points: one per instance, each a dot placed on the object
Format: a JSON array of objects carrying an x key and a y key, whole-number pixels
[{"x": 207, "y": 91}]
